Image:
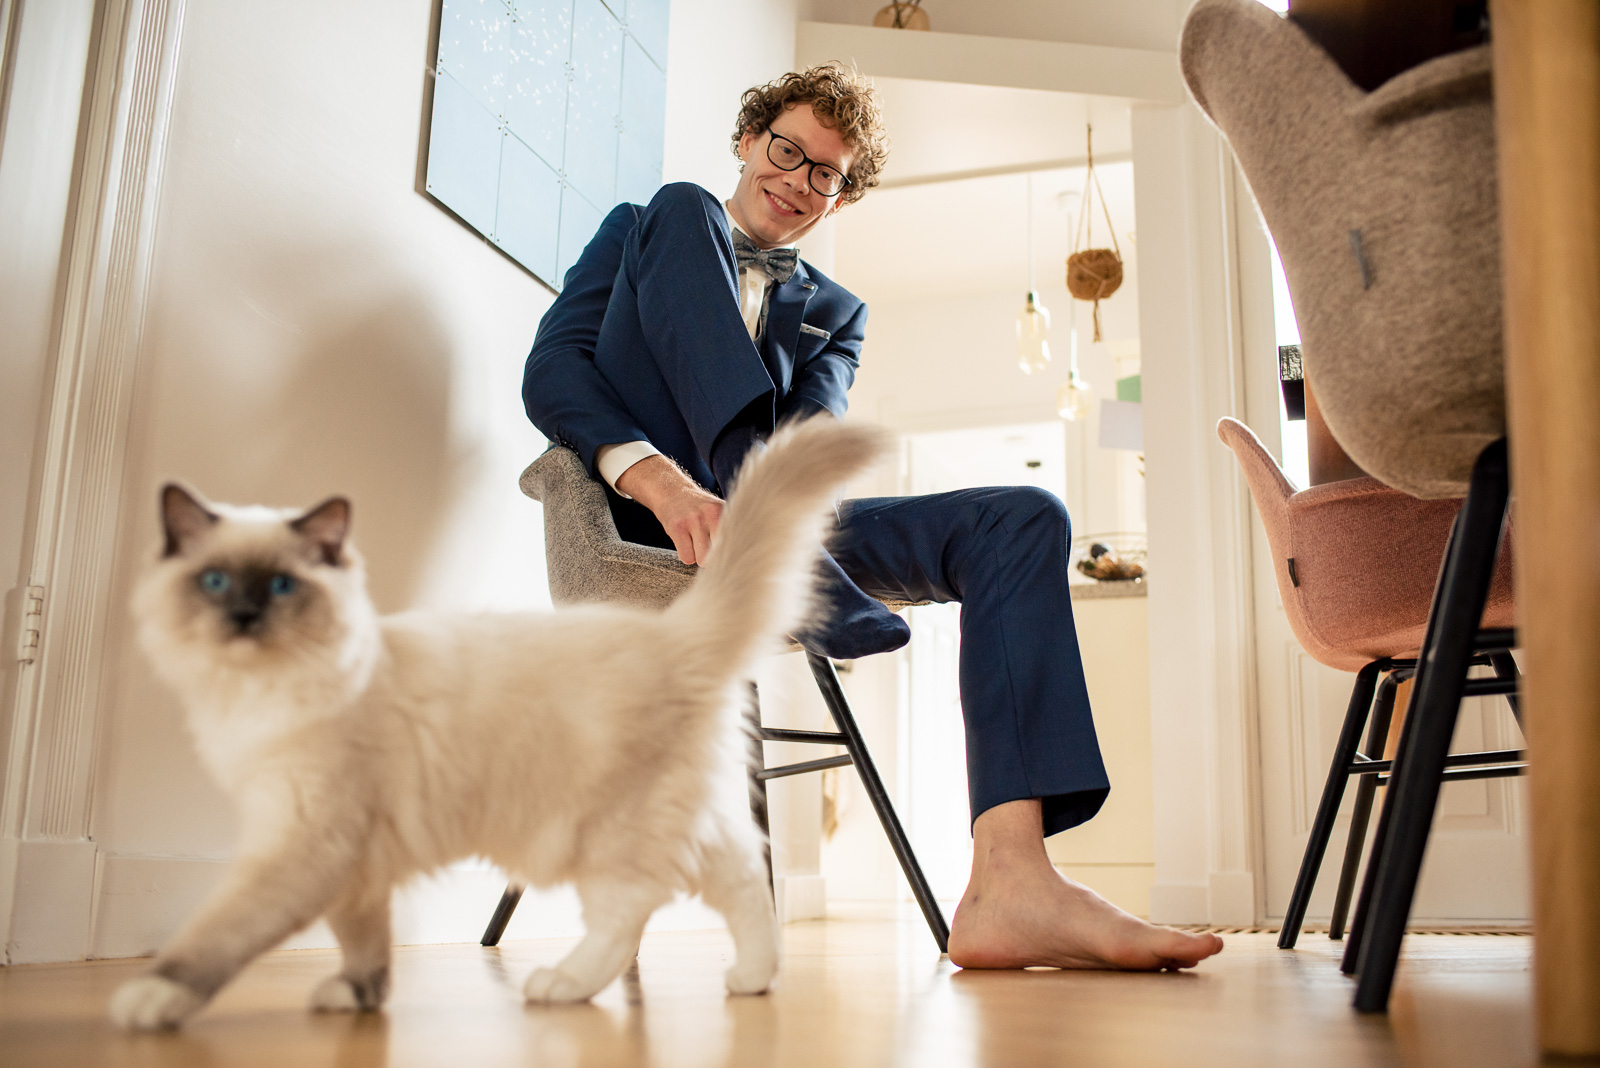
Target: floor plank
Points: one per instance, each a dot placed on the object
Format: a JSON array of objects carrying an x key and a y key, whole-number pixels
[{"x": 854, "y": 991}]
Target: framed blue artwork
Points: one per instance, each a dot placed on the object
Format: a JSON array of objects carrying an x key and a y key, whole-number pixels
[{"x": 546, "y": 114}]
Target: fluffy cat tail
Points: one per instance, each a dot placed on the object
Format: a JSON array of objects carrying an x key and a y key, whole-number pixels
[{"x": 758, "y": 585}]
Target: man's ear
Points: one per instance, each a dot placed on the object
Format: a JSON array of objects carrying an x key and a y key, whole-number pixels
[
  {"x": 183, "y": 518},
  {"x": 326, "y": 526},
  {"x": 747, "y": 144}
]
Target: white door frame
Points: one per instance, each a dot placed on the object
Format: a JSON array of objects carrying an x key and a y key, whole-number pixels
[
  {"x": 1197, "y": 260},
  {"x": 1193, "y": 326},
  {"x": 48, "y": 862}
]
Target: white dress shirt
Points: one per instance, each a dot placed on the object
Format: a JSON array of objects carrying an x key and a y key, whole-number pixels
[{"x": 614, "y": 459}]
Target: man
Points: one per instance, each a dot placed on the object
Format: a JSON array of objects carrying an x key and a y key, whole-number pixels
[{"x": 686, "y": 331}]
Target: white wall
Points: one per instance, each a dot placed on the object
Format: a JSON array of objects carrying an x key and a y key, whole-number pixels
[{"x": 316, "y": 325}]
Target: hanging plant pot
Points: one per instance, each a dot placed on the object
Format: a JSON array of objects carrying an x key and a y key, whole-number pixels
[
  {"x": 904, "y": 15},
  {"x": 1093, "y": 274}
]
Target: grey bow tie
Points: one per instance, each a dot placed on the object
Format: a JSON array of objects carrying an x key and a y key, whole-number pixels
[{"x": 777, "y": 264}]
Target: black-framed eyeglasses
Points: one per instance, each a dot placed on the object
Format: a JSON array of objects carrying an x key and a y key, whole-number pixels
[{"x": 786, "y": 156}]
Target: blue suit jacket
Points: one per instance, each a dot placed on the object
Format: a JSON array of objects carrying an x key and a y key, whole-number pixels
[{"x": 591, "y": 379}]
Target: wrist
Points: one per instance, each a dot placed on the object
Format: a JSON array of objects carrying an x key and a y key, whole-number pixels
[{"x": 654, "y": 480}]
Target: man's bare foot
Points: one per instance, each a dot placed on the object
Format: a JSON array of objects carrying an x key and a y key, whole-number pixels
[{"x": 1019, "y": 912}]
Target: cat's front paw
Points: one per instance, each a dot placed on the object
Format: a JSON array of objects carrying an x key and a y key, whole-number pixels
[
  {"x": 151, "y": 1003},
  {"x": 338, "y": 993},
  {"x": 552, "y": 986},
  {"x": 750, "y": 977}
]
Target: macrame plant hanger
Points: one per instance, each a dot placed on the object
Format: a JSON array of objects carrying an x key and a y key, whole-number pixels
[{"x": 1093, "y": 274}]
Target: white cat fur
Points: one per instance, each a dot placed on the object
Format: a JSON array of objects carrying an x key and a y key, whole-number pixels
[{"x": 597, "y": 745}]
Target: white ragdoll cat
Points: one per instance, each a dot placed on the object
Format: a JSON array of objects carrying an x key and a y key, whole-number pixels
[{"x": 597, "y": 745}]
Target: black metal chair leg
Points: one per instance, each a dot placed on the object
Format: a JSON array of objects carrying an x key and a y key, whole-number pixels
[
  {"x": 839, "y": 707},
  {"x": 1361, "y": 814},
  {"x": 1414, "y": 786},
  {"x": 1344, "y": 752},
  {"x": 1505, "y": 667},
  {"x": 755, "y": 763},
  {"x": 1358, "y": 922},
  {"x": 502, "y": 915}
]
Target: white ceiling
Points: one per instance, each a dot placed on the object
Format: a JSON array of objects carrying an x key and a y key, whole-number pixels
[
  {"x": 932, "y": 238},
  {"x": 943, "y": 128}
]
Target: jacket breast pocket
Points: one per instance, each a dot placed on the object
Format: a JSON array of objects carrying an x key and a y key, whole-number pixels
[{"x": 808, "y": 347}]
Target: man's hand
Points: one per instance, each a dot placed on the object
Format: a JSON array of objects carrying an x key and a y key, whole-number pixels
[{"x": 688, "y": 513}]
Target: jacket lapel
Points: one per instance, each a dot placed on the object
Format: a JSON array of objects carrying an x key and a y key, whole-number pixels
[{"x": 786, "y": 308}]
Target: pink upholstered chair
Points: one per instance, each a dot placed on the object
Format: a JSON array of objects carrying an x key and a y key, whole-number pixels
[{"x": 1356, "y": 563}]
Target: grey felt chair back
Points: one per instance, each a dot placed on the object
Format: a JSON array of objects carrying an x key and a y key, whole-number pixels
[
  {"x": 587, "y": 561},
  {"x": 1383, "y": 208}
]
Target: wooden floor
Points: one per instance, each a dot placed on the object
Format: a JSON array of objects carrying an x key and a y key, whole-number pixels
[{"x": 863, "y": 991}]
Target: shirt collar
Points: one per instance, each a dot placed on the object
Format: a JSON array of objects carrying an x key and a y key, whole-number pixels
[{"x": 735, "y": 226}]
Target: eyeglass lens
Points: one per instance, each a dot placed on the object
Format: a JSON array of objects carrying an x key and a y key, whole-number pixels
[{"x": 787, "y": 156}]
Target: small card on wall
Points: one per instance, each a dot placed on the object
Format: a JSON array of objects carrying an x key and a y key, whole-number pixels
[{"x": 1122, "y": 425}]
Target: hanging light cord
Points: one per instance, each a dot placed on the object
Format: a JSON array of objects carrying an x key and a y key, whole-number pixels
[{"x": 1030, "y": 237}]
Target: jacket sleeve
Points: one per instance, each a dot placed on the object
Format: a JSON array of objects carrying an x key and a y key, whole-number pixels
[
  {"x": 823, "y": 381},
  {"x": 564, "y": 393}
]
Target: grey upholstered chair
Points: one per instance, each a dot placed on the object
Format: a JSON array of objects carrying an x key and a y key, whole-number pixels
[{"x": 589, "y": 562}]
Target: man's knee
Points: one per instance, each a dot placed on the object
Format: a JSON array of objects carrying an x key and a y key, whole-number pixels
[{"x": 1025, "y": 507}]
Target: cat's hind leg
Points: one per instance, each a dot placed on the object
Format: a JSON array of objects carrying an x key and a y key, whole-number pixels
[
  {"x": 614, "y": 915},
  {"x": 733, "y": 880},
  {"x": 360, "y": 921}
]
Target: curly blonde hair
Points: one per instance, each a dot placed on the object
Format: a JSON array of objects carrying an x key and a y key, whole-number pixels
[{"x": 842, "y": 100}]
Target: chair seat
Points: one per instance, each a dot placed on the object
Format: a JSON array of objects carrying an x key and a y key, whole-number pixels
[
  {"x": 1356, "y": 561},
  {"x": 587, "y": 560}
]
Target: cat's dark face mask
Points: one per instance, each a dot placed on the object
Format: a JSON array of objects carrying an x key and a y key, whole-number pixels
[{"x": 248, "y": 597}]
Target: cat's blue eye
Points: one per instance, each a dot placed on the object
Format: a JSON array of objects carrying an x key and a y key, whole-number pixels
[
  {"x": 214, "y": 581},
  {"x": 282, "y": 585}
]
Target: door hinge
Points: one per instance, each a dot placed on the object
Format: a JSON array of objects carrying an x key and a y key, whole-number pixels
[{"x": 32, "y": 624}]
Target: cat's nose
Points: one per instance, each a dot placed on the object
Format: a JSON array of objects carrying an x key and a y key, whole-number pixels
[{"x": 244, "y": 620}]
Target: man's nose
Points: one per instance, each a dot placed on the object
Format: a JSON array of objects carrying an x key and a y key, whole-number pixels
[{"x": 797, "y": 179}]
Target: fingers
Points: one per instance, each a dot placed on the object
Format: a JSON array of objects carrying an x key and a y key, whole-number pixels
[
  {"x": 685, "y": 546},
  {"x": 701, "y": 536},
  {"x": 709, "y": 517},
  {"x": 692, "y": 535}
]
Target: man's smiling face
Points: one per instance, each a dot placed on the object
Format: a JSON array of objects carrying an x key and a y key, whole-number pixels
[{"x": 777, "y": 207}]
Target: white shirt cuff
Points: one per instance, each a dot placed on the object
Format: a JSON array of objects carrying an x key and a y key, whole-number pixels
[{"x": 614, "y": 459}]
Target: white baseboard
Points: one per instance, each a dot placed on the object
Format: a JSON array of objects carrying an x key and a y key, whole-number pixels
[
  {"x": 52, "y": 901},
  {"x": 1231, "y": 899},
  {"x": 142, "y": 900},
  {"x": 1179, "y": 903},
  {"x": 800, "y": 897}
]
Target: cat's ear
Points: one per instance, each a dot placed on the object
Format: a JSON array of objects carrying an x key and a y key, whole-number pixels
[
  {"x": 326, "y": 526},
  {"x": 183, "y": 517}
]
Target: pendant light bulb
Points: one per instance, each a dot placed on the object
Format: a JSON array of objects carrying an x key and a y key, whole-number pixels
[
  {"x": 1033, "y": 326},
  {"x": 1033, "y": 321},
  {"x": 1074, "y": 397}
]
